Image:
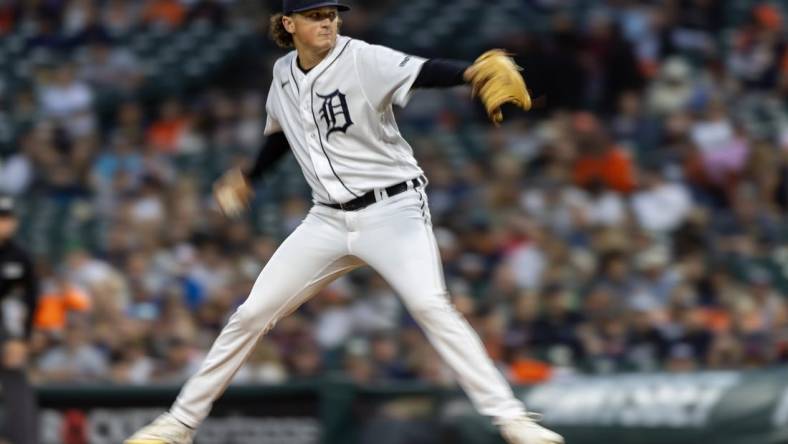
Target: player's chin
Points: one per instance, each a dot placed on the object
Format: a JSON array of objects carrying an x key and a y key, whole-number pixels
[{"x": 326, "y": 40}]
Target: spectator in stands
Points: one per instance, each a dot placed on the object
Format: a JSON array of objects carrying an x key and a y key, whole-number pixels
[
  {"x": 660, "y": 205},
  {"x": 88, "y": 271},
  {"x": 646, "y": 346},
  {"x": 630, "y": 126},
  {"x": 82, "y": 23},
  {"x": 356, "y": 363},
  {"x": 64, "y": 162},
  {"x": 75, "y": 360},
  {"x": 387, "y": 359},
  {"x": 171, "y": 132},
  {"x": 211, "y": 11},
  {"x": 333, "y": 316},
  {"x": 757, "y": 56},
  {"x": 722, "y": 149},
  {"x": 600, "y": 163},
  {"x": 688, "y": 338},
  {"x": 133, "y": 365},
  {"x": 181, "y": 360},
  {"x": 115, "y": 172},
  {"x": 59, "y": 299},
  {"x": 305, "y": 362},
  {"x": 120, "y": 17},
  {"x": 9, "y": 14},
  {"x": 47, "y": 35},
  {"x": 113, "y": 70},
  {"x": 673, "y": 88},
  {"x": 613, "y": 61},
  {"x": 615, "y": 273},
  {"x": 16, "y": 170},
  {"x": 264, "y": 366},
  {"x": 68, "y": 102},
  {"x": 164, "y": 13},
  {"x": 556, "y": 326}
]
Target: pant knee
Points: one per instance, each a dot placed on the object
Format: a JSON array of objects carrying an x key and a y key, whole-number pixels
[
  {"x": 253, "y": 318},
  {"x": 427, "y": 306}
]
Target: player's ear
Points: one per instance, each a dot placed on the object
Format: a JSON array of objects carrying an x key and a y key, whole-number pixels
[{"x": 288, "y": 23}]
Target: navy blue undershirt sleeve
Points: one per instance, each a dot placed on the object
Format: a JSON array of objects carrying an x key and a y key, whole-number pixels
[
  {"x": 441, "y": 73},
  {"x": 273, "y": 149}
]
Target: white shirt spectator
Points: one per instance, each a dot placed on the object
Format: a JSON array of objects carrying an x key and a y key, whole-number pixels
[
  {"x": 713, "y": 134},
  {"x": 70, "y": 101},
  {"x": 662, "y": 208},
  {"x": 210, "y": 278},
  {"x": 333, "y": 326},
  {"x": 140, "y": 371},
  {"x": 527, "y": 263},
  {"x": 58, "y": 100},
  {"x": 607, "y": 209},
  {"x": 556, "y": 208},
  {"x": 148, "y": 210},
  {"x": 378, "y": 311},
  {"x": 16, "y": 173},
  {"x": 88, "y": 271}
]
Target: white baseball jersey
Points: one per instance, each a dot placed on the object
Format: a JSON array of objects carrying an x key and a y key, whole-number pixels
[{"x": 339, "y": 121}]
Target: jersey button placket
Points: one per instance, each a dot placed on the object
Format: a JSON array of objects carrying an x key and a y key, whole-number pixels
[{"x": 315, "y": 150}]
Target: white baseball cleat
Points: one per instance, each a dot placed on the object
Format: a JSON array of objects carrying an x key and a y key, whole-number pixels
[
  {"x": 164, "y": 430},
  {"x": 525, "y": 430}
]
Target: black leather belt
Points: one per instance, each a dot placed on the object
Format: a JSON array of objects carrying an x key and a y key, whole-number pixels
[{"x": 369, "y": 198}]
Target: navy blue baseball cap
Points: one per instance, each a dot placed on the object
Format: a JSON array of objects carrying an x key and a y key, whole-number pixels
[{"x": 290, "y": 6}]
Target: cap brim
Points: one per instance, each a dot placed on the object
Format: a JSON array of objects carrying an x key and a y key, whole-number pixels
[{"x": 339, "y": 6}]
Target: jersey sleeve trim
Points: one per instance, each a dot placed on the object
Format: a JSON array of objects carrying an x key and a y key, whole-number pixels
[{"x": 402, "y": 97}]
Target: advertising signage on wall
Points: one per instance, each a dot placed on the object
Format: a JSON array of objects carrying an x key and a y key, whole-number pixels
[{"x": 702, "y": 407}]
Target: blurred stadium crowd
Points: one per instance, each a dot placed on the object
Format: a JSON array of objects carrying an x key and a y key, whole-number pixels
[{"x": 634, "y": 221}]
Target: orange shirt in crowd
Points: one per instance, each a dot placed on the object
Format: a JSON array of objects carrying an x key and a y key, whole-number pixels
[
  {"x": 614, "y": 168},
  {"x": 53, "y": 307},
  {"x": 170, "y": 12},
  {"x": 717, "y": 320},
  {"x": 6, "y": 19},
  {"x": 530, "y": 371},
  {"x": 164, "y": 134}
]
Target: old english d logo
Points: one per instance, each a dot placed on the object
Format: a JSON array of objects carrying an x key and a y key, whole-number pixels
[{"x": 335, "y": 113}]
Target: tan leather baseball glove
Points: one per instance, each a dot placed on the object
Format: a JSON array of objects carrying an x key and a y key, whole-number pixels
[
  {"x": 496, "y": 79},
  {"x": 232, "y": 192}
]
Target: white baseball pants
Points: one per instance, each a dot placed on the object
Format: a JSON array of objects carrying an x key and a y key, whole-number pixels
[{"x": 394, "y": 236}]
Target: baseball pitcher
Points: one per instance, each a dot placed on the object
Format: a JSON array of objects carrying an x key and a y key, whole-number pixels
[{"x": 330, "y": 104}]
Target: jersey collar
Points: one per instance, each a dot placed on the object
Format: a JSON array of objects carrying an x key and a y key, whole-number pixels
[{"x": 341, "y": 42}]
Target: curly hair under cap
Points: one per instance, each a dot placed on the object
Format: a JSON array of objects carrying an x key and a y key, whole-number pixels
[{"x": 279, "y": 34}]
